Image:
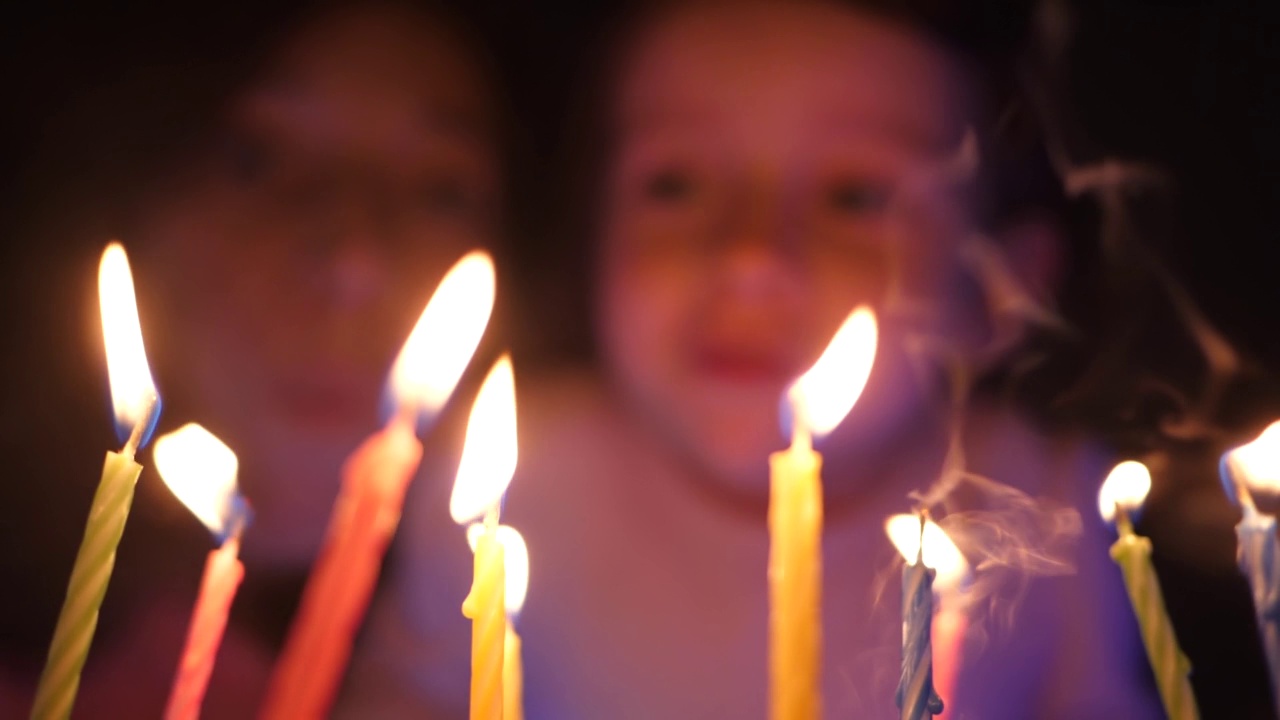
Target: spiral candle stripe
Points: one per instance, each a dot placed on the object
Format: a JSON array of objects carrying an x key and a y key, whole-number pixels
[
  {"x": 73, "y": 635},
  {"x": 917, "y": 698},
  {"x": 485, "y": 606},
  {"x": 1133, "y": 554}
]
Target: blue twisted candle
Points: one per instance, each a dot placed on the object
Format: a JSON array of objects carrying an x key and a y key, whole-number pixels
[
  {"x": 1260, "y": 563},
  {"x": 917, "y": 697}
]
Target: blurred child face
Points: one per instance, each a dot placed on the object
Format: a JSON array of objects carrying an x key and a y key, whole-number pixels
[
  {"x": 353, "y": 173},
  {"x": 757, "y": 145}
]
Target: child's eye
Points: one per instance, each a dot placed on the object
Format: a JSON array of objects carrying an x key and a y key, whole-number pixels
[
  {"x": 669, "y": 185},
  {"x": 858, "y": 197}
]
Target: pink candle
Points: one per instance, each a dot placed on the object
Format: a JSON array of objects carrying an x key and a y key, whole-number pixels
[
  {"x": 222, "y": 575},
  {"x": 374, "y": 481},
  {"x": 949, "y": 626},
  {"x": 201, "y": 472}
]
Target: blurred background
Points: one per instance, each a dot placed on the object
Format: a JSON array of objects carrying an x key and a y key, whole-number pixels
[{"x": 1188, "y": 89}]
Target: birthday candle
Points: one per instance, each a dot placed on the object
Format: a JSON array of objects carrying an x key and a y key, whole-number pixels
[
  {"x": 488, "y": 463},
  {"x": 133, "y": 396},
  {"x": 374, "y": 481},
  {"x": 818, "y": 401},
  {"x": 1255, "y": 467},
  {"x": 934, "y": 567},
  {"x": 1122, "y": 493},
  {"x": 201, "y": 471},
  {"x": 516, "y": 583}
]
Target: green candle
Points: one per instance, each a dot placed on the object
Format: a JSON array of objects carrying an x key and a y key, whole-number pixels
[
  {"x": 92, "y": 570},
  {"x": 1124, "y": 490},
  {"x": 133, "y": 396}
]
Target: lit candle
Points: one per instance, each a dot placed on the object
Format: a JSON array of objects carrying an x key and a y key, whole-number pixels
[
  {"x": 516, "y": 555},
  {"x": 1121, "y": 494},
  {"x": 374, "y": 480},
  {"x": 136, "y": 405},
  {"x": 488, "y": 462},
  {"x": 818, "y": 401},
  {"x": 931, "y": 626},
  {"x": 201, "y": 471},
  {"x": 1251, "y": 468}
]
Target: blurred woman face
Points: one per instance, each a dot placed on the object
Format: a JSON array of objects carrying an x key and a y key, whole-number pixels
[
  {"x": 757, "y": 148},
  {"x": 352, "y": 174}
]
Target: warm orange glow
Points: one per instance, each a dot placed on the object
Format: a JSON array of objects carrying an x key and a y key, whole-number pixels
[
  {"x": 824, "y": 395},
  {"x": 1126, "y": 486},
  {"x": 940, "y": 553},
  {"x": 490, "y": 450},
  {"x": 516, "y": 562},
  {"x": 442, "y": 343},
  {"x": 201, "y": 471},
  {"x": 133, "y": 392},
  {"x": 1257, "y": 464}
]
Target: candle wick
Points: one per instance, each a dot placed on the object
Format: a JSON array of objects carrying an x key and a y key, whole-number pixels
[
  {"x": 1123, "y": 522},
  {"x": 407, "y": 414},
  {"x": 491, "y": 519},
  {"x": 1246, "y": 499},
  {"x": 142, "y": 427}
]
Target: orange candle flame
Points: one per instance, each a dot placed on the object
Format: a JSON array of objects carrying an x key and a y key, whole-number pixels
[
  {"x": 1126, "y": 487},
  {"x": 490, "y": 450},
  {"x": 201, "y": 470},
  {"x": 133, "y": 392},
  {"x": 445, "y": 337},
  {"x": 939, "y": 552},
  {"x": 822, "y": 397}
]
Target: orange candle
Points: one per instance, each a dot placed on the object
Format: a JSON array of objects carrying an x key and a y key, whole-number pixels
[
  {"x": 201, "y": 472},
  {"x": 374, "y": 481},
  {"x": 488, "y": 463},
  {"x": 819, "y": 400},
  {"x": 516, "y": 584}
]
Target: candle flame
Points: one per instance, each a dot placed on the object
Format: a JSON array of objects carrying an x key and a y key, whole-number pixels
[
  {"x": 490, "y": 449},
  {"x": 133, "y": 392},
  {"x": 1126, "y": 486},
  {"x": 1256, "y": 464},
  {"x": 515, "y": 561},
  {"x": 446, "y": 335},
  {"x": 824, "y": 395},
  {"x": 940, "y": 553},
  {"x": 201, "y": 471}
]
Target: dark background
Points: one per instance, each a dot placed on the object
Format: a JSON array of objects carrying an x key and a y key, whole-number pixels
[{"x": 1188, "y": 87}]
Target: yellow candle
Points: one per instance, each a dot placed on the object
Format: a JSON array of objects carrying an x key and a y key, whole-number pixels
[
  {"x": 1124, "y": 490},
  {"x": 485, "y": 607},
  {"x": 795, "y": 583},
  {"x": 134, "y": 399},
  {"x": 512, "y": 676},
  {"x": 819, "y": 400},
  {"x": 488, "y": 462}
]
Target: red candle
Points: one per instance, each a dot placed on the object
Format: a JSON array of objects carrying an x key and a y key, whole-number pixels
[
  {"x": 201, "y": 472},
  {"x": 949, "y": 626},
  {"x": 374, "y": 481},
  {"x": 222, "y": 575}
]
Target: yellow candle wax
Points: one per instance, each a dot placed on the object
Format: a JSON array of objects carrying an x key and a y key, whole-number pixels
[
  {"x": 89, "y": 576},
  {"x": 795, "y": 583},
  {"x": 1123, "y": 492},
  {"x": 512, "y": 677},
  {"x": 485, "y": 606},
  {"x": 1132, "y": 553}
]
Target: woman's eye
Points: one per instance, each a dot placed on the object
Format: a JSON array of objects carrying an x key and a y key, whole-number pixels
[
  {"x": 858, "y": 197},
  {"x": 669, "y": 185}
]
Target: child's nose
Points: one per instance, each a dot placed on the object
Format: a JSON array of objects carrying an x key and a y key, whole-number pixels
[{"x": 757, "y": 251}]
